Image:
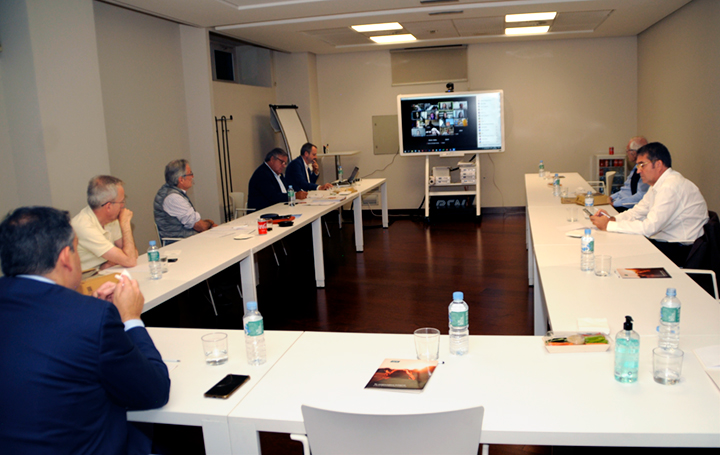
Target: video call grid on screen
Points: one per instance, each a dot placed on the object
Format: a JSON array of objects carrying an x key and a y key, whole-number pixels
[{"x": 450, "y": 122}]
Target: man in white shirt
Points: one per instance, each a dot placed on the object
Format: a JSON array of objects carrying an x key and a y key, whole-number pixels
[
  {"x": 103, "y": 227},
  {"x": 672, "y": 213},
  {"x": 174, "y": 213},
  {"x": 633, "y": 189}
]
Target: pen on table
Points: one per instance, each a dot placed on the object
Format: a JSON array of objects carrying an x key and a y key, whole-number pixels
[{"x": 172, "y": 360}]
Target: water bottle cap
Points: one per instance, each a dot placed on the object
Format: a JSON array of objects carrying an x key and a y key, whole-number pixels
[
  {"x": 541, "y": 161},
  {"x": 587, "y": 231},
  {"x": 291, "y": 187},
  {"x": 589, "y": 193},
  {"x": 671, "y": 292},
  {"x": 252, "y": 306},
  {"x": 457, "y": 295},
  {"x": 556, "y": 175},
  {"x": 152, "y": 242}
]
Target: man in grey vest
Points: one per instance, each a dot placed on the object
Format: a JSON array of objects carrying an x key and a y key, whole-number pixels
[{"x": 175, "y": 215}]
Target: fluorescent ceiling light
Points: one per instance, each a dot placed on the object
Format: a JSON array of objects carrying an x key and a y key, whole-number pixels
[
  {"x": 377, "y": 27},
  {"x": 527, "y": 30},
  {"x": 389, "y": 39},
  {"x": 530, "y": 17}
]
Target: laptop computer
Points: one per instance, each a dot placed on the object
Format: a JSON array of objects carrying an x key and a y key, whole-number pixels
[{"x": 349, "y": 180}]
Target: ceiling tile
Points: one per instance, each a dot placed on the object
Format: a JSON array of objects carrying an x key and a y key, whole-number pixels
[
  {"x": 579, "y": 21},
  {"x": 431, "y": 29},
  {"x": 344, "y": 36},
  {"x": 480, "y": 26}
]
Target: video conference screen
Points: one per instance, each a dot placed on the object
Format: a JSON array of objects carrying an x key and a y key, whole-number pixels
[{"x": 451, "y": 122}]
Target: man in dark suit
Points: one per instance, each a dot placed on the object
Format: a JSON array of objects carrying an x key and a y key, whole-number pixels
[
  {"x": 302, "y": 172},
  {"x": 267, "y": 184},
  {"x": 71, "y": 366}
]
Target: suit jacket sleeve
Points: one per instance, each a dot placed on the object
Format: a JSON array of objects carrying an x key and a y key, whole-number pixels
[
  {"x": 295, "y": 176},
  {"x": 131, "y": 368}
]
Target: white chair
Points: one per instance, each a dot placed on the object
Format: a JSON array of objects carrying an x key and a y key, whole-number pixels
[
  {"x": 238, "y": 199},
  {"x": 603, "y": 186},
  {"x": 609, "y": 177},
  {"x": 332, "y": 432},
  {"x": 713, "y": 279},
  {"x": 164, "y": 240}
]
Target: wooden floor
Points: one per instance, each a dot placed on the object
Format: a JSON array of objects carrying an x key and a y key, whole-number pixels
[{"x": 403, "y": 280}]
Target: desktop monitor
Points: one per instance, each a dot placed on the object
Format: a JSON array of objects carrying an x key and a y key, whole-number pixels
[{"x": 449, "y": 123}]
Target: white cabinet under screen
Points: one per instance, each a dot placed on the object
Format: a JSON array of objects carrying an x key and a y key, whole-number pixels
[{"x": 605, "y": 163}]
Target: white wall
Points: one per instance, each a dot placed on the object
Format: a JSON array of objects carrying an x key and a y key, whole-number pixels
[
  {"x": 251, "y": 136},
  {"x": 679, "y": 95},
  {"x": 296, "y": 79},
  {"x": 52, "y": 100},
  {"x": 145, "y": 111},
  {"x": 8, "y": 195},
  {"x": 565, "y": 100}
]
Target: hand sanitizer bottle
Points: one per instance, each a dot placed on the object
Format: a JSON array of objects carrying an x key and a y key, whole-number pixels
[{"x": 627, "y": 353}]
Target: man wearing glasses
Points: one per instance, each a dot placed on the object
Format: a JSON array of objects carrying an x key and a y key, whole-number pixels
[
  {"x": 174, "y": 213},
  {"x": 672, "y": 213},
  {"x": 634, "y": 189},
  {"x": 103, "y": 227},
  {"x": 267, "y": 184}
]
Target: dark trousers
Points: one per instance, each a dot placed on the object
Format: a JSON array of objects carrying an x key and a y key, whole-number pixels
[{"x": 676, "y": 252}]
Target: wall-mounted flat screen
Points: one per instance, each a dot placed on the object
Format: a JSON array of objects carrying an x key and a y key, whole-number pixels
[{"x": 442, "y": 123}]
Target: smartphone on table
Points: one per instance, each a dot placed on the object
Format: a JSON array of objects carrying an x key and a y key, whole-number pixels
[{"x": 227, "y": 386}]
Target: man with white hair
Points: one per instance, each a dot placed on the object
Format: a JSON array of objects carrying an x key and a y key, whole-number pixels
[
  {"x": 103, "y": 227},
  {"x": 634, "y": 188}
]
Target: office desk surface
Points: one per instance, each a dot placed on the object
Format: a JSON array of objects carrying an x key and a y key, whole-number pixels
[
  {"x": 192, "y": 377},
  {"x": 571, "y": 293},
  {"x": 530, "y": 396}
]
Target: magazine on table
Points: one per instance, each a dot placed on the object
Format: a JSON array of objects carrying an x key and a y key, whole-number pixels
[
  {"x": 652, "y": 272},
  {"x": 402, "y": 374}
]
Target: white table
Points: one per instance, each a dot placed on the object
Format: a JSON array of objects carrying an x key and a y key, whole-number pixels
[
  {"x": 192, "y": 377},
  {"x": 530, "y": 396},
  {"x": 563, "y": 293},
  {"x": 205, "y": 254}
]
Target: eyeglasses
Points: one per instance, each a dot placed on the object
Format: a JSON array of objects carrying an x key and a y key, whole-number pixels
[
  {"x": 284, "y": 163},
  {"x": 643, "y": 164},
  {"x": 114, "y": 202},
  {"x": 189, "y": 175}
]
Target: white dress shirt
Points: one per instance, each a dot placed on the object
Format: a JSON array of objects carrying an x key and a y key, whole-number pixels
[
  {"x": 277, "y": 177},
  {"x": 673, "y": 210}
]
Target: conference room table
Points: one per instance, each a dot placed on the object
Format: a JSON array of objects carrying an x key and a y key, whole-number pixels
[
  {"x": 191, "y": 377},
  {"x": 563, "y": 293},
  {"x": 530, "y": 396},
  {"x": 203, "y": 255}
]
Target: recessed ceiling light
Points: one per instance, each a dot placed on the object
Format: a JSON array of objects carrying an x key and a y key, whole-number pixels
[
  {"x": 389, "y": 39},
  {"x": 530, "y": 17},
  {"x": 527, "y": 30},
  {"x": 377, "y": 27}
]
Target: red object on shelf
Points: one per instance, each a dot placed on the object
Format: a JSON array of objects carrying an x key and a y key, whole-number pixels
[{"x": 612, "y": 150}]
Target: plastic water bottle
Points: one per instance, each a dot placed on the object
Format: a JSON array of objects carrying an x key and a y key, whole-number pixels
[
  {"x": 340, "y": 173},
  {"x": 590, "y": 202},
  {"x": 154, "y": 261},
  {"x": 556, "y": 185},
  {"x": 669, "y": 328},
  {"x": 459, "y": 333},
  {"x": 541, "y": 168},
  {"x": 627, "y": 353},
  {"x": 587, "y": 252},
  {"x": 254, "y": 335},
  {"x": 291, "y": 196}
]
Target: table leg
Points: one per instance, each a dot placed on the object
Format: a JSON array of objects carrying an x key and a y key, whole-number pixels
[
  {"x": 383, "y": 199},
  {"x": 247, "y": 278},
  {"x": 245, "y": 439},
  {"x": 539, "y": 309},
  {"x": 357, "y": 214},
  {"x": 531, "y": 255},
  {"x": 318, "y": 252},
  {"x": 216, "y": 435}
]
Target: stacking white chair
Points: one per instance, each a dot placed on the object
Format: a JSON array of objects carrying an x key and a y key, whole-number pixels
[{"x": 331, "y": 432}]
